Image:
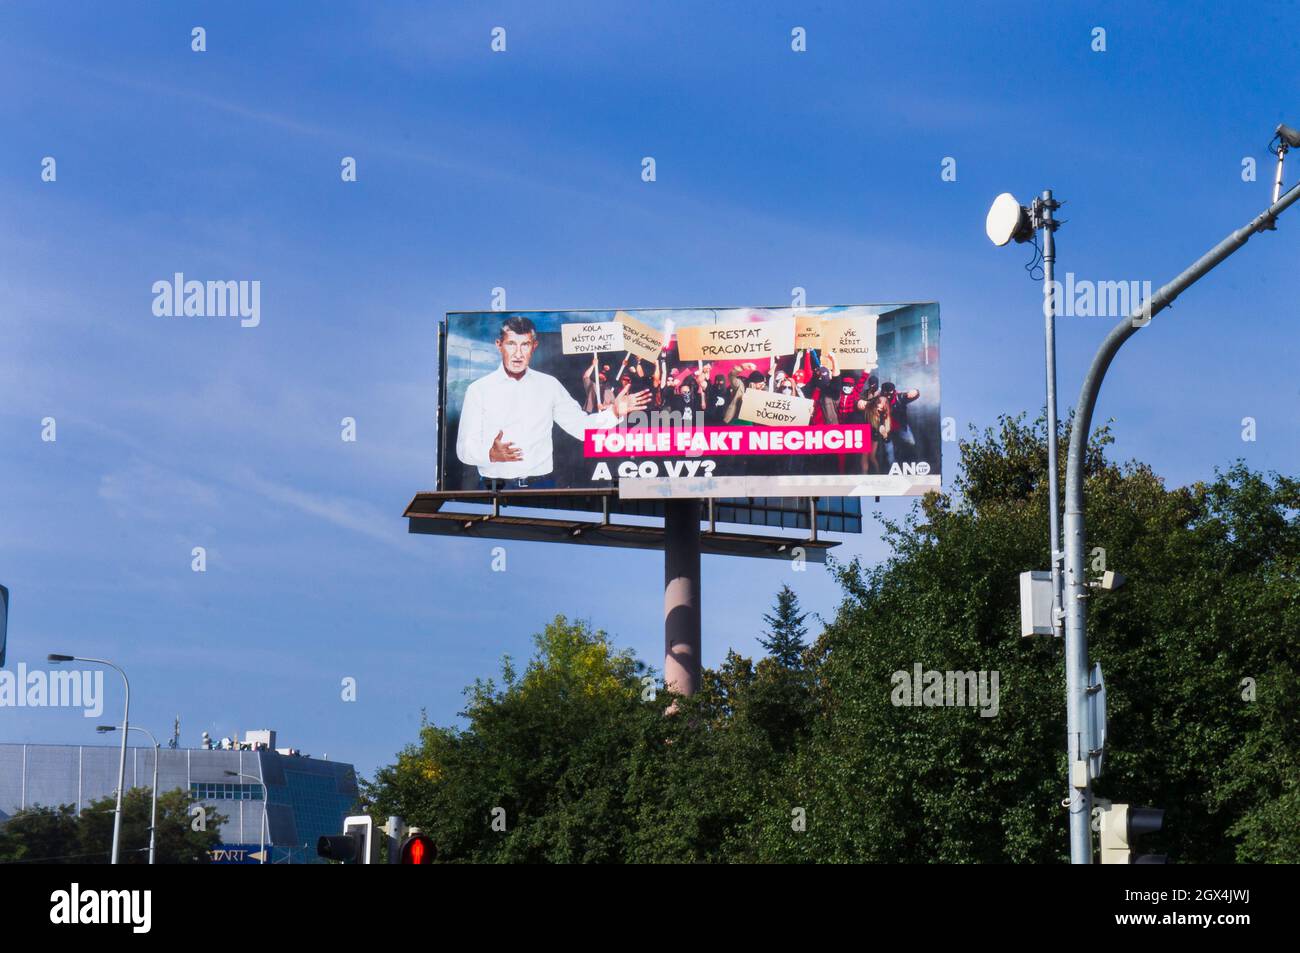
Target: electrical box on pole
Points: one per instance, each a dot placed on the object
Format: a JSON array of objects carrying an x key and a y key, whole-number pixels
[{"x": 1036, "y": 603}]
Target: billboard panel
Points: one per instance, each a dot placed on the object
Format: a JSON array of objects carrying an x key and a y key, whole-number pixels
[{"x": 732, "y": 402}]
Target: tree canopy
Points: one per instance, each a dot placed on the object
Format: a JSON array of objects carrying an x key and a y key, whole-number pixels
[
  {"x": 58, "y": 835},
  {"x": 808, "y": 755}
]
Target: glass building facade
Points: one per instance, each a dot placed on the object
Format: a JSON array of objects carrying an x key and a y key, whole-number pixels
[{"x": 308, "y": 797}]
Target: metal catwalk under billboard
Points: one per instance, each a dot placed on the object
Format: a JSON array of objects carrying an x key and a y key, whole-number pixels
[{"x": 736, "y": 402}]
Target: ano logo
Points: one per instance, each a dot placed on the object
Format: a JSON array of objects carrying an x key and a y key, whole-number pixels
[{"x": 910, "y": 469}]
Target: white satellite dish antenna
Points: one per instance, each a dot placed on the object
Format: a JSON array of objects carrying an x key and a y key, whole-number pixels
[{"x": 1007, "y": 220}]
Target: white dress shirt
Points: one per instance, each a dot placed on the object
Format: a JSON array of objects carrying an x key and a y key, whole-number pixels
[{"x": 522, "y": 411}]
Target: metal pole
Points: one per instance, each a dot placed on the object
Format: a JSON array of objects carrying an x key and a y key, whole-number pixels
[
  {"x": 153, "y": 806},
  {"x": 153, "y": 810},
  {"x": 266, "y": 806},
  {"x": 121, "y": 769},
  {"x": 1076, "y": 621},
  {"x": 1076, "y": 655},
  {"x": 395, "y": 825},
  {"x": 266, "y": 801},
  {"x": 682, "y": 596},
  {"x": 121, "y": 761},
  {"x": 1053, "y": 473}
]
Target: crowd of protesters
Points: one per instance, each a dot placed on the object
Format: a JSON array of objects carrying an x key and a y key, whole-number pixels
[{"x": 698, "y": 397}]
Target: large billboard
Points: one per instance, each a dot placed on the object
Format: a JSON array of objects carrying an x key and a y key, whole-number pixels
[{"x": 708, "y": 402}]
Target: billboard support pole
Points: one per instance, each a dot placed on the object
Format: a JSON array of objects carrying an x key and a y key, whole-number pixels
[
  {"x": 682, "y": 596},
  {"x": 1076, "y": 615}
]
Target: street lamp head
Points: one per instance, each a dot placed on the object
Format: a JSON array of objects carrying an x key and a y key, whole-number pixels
[
  {"x": 1007, "y": 220},
  {"x": 105, "y": 728},
  {"x": 60, "y": 658}
]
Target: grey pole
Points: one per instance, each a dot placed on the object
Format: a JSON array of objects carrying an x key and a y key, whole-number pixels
[
  {"x": 682, "y": 596},
  {"x": 1049, "y": 205},
  {"x": 266, "y": 803},
  {"x": 1076, "y": 620},
  {"x": 153, "y": 810},
  {"x": 395, "y": 825},
  {"x": 121, "y": 761},
  {"x": 153, "y": 807}
]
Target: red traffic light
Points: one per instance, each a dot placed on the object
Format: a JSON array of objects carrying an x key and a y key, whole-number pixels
[{"x": 417, "y": 849}]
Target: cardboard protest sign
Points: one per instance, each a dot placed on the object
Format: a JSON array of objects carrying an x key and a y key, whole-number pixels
[
  {"x": 775, "y": 410},
  {"x": 641, "y": 339},
  {"x": 807, "y": 331},
  {"x": 591, "y": 338},
  {"x": 853, "y": 341},
  {"x": 743, "y": 341}
]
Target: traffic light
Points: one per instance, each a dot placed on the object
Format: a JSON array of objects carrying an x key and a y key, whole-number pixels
[
  {"x": 1121, "y": 824},
  {"x": 353, "y": 846},
  {"x": 417, "y": 849}
]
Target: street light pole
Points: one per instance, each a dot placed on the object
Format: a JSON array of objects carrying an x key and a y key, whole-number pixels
[
  {"x": 266, "y": 801},
  {"x": 1076, "y": 620},
  {"x": 153, "y": 806},
  {"x": 121, "y": 762}
]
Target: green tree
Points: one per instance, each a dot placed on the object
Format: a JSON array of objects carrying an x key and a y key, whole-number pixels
[
  {"x": 59, "y": 835},
  {"x": 820, "y": 761},
  {"x": 539, "y": 772},
  {"x": 1211, "y": 600},
  {"x": 39, "y": 835},
  {"x": 704, "y": 778},
  {"x": 785, "y": 639},
  {"x": 177, "y": 842}
]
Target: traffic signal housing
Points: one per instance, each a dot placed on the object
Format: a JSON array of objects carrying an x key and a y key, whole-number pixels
[
  {"x": 353, "y": 846},
  {"x": 1121, "y": 824},
  {"x": 417, "y": 849}
]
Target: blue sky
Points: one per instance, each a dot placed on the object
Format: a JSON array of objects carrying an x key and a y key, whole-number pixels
[{"x": 521, "y": 169}]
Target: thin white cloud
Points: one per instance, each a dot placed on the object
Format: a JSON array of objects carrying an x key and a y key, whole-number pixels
[
  {"x": 142, "y": 489},
  {"x": 384, "y": 525}
]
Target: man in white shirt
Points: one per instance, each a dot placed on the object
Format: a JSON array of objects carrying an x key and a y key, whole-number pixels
[{"x": 506, "y": 421}]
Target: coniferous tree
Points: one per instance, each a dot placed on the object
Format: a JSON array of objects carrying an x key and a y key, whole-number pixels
[{"x": 785, "y": 640}]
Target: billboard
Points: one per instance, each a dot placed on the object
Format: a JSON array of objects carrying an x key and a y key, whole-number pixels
[{"x": 713, "y": 402}]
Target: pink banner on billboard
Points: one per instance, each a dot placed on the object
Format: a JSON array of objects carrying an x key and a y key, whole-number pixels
[{"x": 724, "y": 441}]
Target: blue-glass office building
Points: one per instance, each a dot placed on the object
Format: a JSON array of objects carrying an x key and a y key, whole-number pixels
[{"x": 309, "y": 797}]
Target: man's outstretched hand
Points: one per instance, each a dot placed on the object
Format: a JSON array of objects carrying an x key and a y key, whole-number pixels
[
  {"x": 625, "y": 403},
  {"x": 504, "y": 452}
]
